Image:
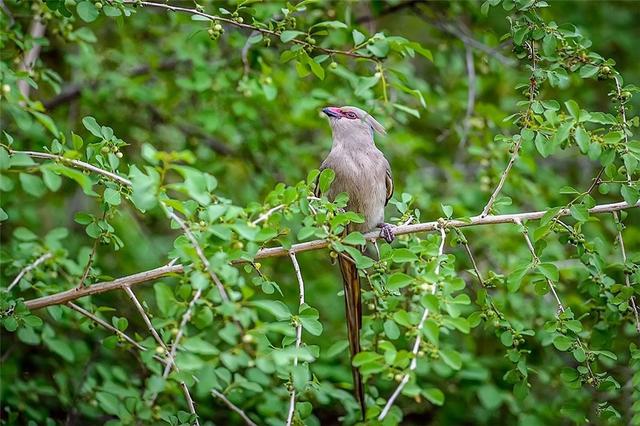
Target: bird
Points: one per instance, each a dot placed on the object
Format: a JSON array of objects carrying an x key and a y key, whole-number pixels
[{"x": 362, "y": 171}]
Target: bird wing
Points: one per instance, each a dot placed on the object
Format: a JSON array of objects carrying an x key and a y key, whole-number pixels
[
  {"x": 388, "y": 180},
  {"x": 353, "y": 311}
]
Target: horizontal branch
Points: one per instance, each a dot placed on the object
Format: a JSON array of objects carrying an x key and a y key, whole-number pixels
[
  {"x": 431, "y": 226},
  {"x": 153, "y": 274},
  {"x": 77, "y": 293}
]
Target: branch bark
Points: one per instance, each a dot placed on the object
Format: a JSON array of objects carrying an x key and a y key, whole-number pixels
[{"x": 153, "y": 274}]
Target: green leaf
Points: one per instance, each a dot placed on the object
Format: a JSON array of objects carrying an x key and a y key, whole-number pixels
[
  {"x": 506, "y": 338},
  {"x": 366, "y": 358},
  {"x": 582, "y": 139},
  {"x": 452, "y": 358},
  {"x": 287, "y": 36},
  {"x": 434, "y": 395},
  {"x": 550, "y": 271},
  {"x": 316, "y": 69},
  {"x": 399, "y": 280},
  {"x": 50, "y": 178},
  {"x": 391, "y": 329},
  {"x": 32, "y": 184},
  {"x": 358, "y": 37},
  {"x": 143, "y": 188},
  {"x": 164, "y": 297},
  {"x": 61, "y": 347},
  {"x": 325, "y": 179},
  {"x": 87, "y": 11},
  {"x": 402, "y": 255},
  {"x": 80, "y": 178},
  {"x": 354, "y": 239},
  {"x": 331, "y": 24},
  {"x": 562, "y": 343},
  {"x": 573, "y": 108},
  {"x": 579, "y": 212},
  {"x": 588, "y": 71},
  {"x": 274, "y": 307},
  {"x": 431, "y": 331},
  {"x": 311, "y": 325},
  {"x": 112, "y": 196},
  {"x": 630, "y": 195}
]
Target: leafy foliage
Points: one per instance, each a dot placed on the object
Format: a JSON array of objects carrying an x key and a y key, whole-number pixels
[{"x": 188, "y": 135}]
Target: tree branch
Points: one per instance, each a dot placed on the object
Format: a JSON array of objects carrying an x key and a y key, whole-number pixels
[
  {"x": 627, "y": 282},
  {"x": 66, "y": 296},
  {"x": 28, "y": 268},
  {"x": 130, "y": 280},
  {"x": 292, "y": 401},
  {"x": 106, "y": 325},
  {"x": 234, "y": 407},
  {"x": 199, "y": 251},
  {"x": 171, "y": 361}
]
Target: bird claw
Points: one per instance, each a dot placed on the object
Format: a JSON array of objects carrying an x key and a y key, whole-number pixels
[{"x": 386, "y": 232}]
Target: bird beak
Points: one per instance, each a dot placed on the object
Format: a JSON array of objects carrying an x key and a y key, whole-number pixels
[{"x": 332, "y": 112}]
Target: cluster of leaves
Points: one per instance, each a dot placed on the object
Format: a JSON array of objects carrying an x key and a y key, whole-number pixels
[{"x": 203, "y": 115}]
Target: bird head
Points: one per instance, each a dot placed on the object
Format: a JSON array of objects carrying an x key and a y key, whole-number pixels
[{"x": 350, "y": 122}]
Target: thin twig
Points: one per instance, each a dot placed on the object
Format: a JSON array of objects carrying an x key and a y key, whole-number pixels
[
  {"x": 627, "y": 282},
  {"x": 473, "y": 262},
  {"x": 533, "y": 87},
  {"x": 623, "y": 114},
  {"x": 183, "y": 325},
  {"x": 503, "y": 179},
  {"x": 147, "y": 321},
  {"x": 28, "y": 268},
  {"x": 537, "y": 261},
  {"x": 153, "y": 274},
  {"x": 234, "y": 407},
  {"x": 561, "y": 308},
  {"x": 106, "y": 325},
  {"x": 171, "y": 362},
  {"x": 416, "y": 344},
  {"x": 248, "y": 27},
  {"x": 87, "y": 267},
  {"x": 264, "y": 216},
  {"x": 199, "y": 251},
  {"x": 292, "y": 400}
]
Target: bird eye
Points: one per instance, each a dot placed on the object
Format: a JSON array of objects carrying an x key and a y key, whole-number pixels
[{"x": 351, "y": 115}]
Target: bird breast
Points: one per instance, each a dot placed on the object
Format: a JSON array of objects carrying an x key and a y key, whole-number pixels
[{"x": 361, "y": 174}]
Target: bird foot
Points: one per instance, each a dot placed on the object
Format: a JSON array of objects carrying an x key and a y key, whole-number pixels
[{"x": 386, "y": 232}]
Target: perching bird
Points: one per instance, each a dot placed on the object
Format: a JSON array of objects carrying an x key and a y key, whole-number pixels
[{"x": 362, "y": 171}]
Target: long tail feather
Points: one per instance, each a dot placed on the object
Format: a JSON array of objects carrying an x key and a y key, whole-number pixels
[{"x": 353, "y": 310}]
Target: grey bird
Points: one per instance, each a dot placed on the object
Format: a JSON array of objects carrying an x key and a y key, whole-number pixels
[{"x": 362, "y": 171}]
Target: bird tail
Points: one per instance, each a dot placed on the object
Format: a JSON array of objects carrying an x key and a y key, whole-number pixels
[{"x": 353, "y": 310}]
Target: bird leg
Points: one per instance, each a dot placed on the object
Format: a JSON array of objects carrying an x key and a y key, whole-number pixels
[{"x": 386, "y": 232}]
